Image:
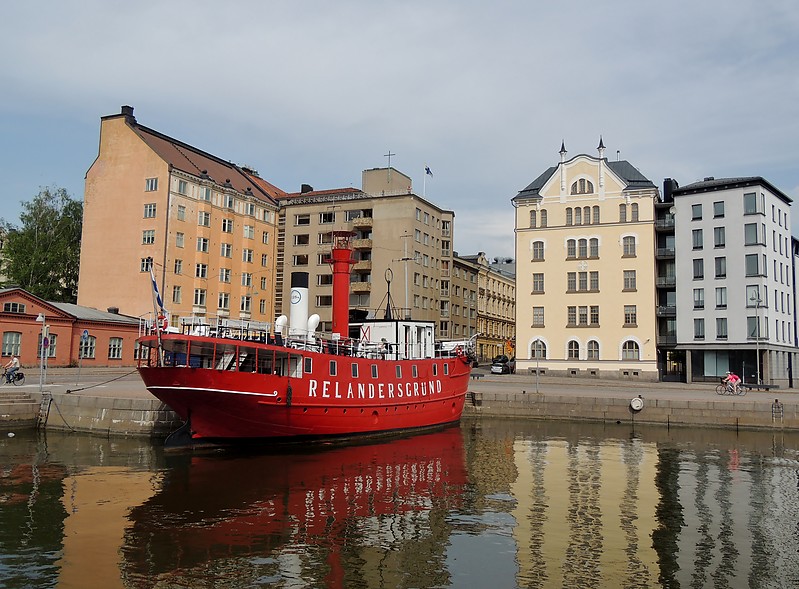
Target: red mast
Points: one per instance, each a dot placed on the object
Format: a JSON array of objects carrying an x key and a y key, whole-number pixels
[{"x": 341, "y": 262}]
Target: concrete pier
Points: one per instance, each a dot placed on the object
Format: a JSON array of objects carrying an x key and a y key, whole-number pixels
[{"x": 114, "y": 402}]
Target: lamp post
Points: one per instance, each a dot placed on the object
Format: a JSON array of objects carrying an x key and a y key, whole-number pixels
[
  {"x": 537, "y": 355},
  {"x": 41, "y": 318},
  {"x": 755, "y": 298}
]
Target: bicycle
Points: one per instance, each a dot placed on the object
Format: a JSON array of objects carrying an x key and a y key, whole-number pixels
[
  {"x": 729, "y": 389},
  {"x": 18, "y": 380}
]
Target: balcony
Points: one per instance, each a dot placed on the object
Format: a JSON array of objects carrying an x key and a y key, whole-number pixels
[
  {"x": 363, "y": 265},
  {"x": 446, "y": 252},
  {"x": 444, "y": 293},
  {"x": 667, "y": 311},
  {"x": 667, "y": 340},
  {"x": 360, "y": 287},
  {"x": 664, "y": 224},
  {"x": 664, "y": 253},
  {"x": 362, "y": 244},
  {"x": 444, "y": 313},
  {"x": 666, "y": 281},
  {"x": 362, "y": 222}
]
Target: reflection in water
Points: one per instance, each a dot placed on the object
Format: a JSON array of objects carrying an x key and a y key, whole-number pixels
[{"x": 492, "y": 503}]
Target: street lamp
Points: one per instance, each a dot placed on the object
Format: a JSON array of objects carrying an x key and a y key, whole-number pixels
[
  {"x": 43, "y": 320},
  {"x": 755, "y": 298},
  {"x": 537, "y": 356}
]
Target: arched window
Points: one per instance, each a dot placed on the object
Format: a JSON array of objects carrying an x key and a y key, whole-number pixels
[
  {"x": 532, "y": 218},
  {"x": 543, "y": 217},
  {"x": 629, "y": 246},
  {"x": 574, "y": 350},
  {"x": 596, "y": 215},
  {"x": 582, "y": 186},
  {"x": 622, "y": 213},
  {"x": 634, "y": 211},
  {"x": 586, "y": 215},
  {"x": 593, "y": 247},
  {"x": 568, "y": 216},
  {"x": 582, "y": 248},
  {"x": 593, "y": 350},
  {"x": 578, "y": 216},
  {"x": 571, "y": 248},
  {"x": 538, "y": 350},
  {"x": 574, "y": 188},
  {"x": 538, "y": 250},
  {"x": 630, "y": 351}
]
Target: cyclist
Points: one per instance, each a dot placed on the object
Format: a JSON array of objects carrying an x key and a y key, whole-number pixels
[
  {"x": 11, "y": 367},
  {"x": 732, "y": 380}
]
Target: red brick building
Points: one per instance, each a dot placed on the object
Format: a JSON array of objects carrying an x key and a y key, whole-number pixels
[{"x": 110, "y": 337}]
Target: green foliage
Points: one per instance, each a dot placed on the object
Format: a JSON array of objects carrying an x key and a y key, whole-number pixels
[{"x": 43, "y": 255}]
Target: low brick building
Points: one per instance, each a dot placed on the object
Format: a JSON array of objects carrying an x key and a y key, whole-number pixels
[{"x": 110, "y": 338}]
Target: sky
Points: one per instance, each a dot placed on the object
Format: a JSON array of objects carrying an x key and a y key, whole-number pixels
[{"x": 481, "y": 92}]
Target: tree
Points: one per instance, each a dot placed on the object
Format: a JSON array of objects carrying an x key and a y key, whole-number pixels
[{"x": 43, "y": 255}]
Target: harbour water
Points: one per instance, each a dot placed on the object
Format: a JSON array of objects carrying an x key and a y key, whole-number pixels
[{"x": 492, "y": 503}]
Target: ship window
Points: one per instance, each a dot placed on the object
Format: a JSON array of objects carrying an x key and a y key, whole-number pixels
[
  {"x": 415, "y": 371},
  {"x": 398, "y": 369},
  {"x": 354, "y": 370},
  {"x": 374, "y": 370},
  {"x": 446, "y": 369},
  {"x": 435, "y": 369},
  {"x": 332, "y": 368},
  {"x": 308, "y": 365}
]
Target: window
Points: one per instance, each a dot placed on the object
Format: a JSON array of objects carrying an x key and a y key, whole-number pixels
[
  {"x": 721, "y": 297},
  {"x": 696, "y": 212},
  {"x": 264, "y": 282},
  {"x": 538, "y": 282},
  {"x": 582, "y": 186},
  {"x": 327, "y": 218},
  {"x": 634, "y": 212},
  {"x": 224, "y": 275},
  {"x": 751, "y": 204},
  {"x": 150, "y": 185},
  {"x": 205, "y": 194},
  {"x": 721, "y": 267},
  {"x": 593, "y": 247},
  {"x": 182, "y": 186},
  {"x": 249, "y": 209},
  {"x": 11, "y": 343},
  {"x": 246, "y": 255},
  {"x": 751, "y": 265},
  {"x": 115, "y": 348},
  {"x": 176, "y": 294},
  {"x": 719, "y": 237},
  {"x": 246, "y": 279},
  {"x": 539, "y": 350},
  {"x": 629, "y": 246},
  {"x": 571, "y": 281},
  {"x": 87, "y": 348},
  {"x": 696, "y": 238},
  {"x": 718, "y": 209},
  {"x": 630, "y": 315},
  {"x": 582, "y": 248},
  {"x": 226, "y": 250},
  {"x": 302, "y": 239},
  {"x": 622, "y": 213},
  {"x": 593, "y": 350},
  {"x": 204, "y": 219},
  {"x": 302, "y": 219},
  {"x": 571, "y": 248},
  {"x": 324, "y": 301},
  {"x": 578, "y": 216},
  {"x": 629, "y": 280},
  {"x": 202, "y": 244},
  {"x": 571, "y": 316},
  {"x": 533, "y": 216},
  {"x": 230, "y": 202},
  {"x": 629, "y": 351},
  {"x": 752, "y": 327},
  {"x": 595, "y": 220},
  {"x": 721, "y": 328},
  {"x": 418, "y": 214},
  {"x": 227, "y": 225},
  {"x": 326, "y": 238},
  {"x": 300, "y": 260},
  {"x": 201, "y": 271},
  {"x": 179, "y": 239},
  {"x": 149, "y": 210},
  {"x": 699, "y": 298},
  {"x": 543, "y": 217},
  {"x": 568, "y": 216},
  {"x": 199, "y": 297},
  {"x": 148, "y": 236},
  {"x": 594, "y": 280},
  {"x": 15, "y": 307},
  {"x": 246, "y": 304},
  {"x": 699, "y": 328},
  {"x": 750, "y": 234},
  {"x": 538, "y": 250},
  {"x": 265, "y": 237},
  {"x": 574, "y": 350},
  {"x": 145, "y": 264},
  {"x": 538, "y": 317},
  {"x": 699, "y": 269},
  {"x": 181, "y": 213},
  {"x": 223, "y": 302}
]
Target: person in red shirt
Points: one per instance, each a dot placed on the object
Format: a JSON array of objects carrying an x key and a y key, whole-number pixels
[{"x": 733, "y": 380}]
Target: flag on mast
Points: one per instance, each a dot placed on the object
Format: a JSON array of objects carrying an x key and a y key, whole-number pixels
[{"x": 428, "y": 171}]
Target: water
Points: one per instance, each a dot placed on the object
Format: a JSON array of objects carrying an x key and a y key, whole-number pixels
[{"x": 490, "y": 504}]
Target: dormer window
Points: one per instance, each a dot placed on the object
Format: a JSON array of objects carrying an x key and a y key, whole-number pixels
[
  {"x": 13, "y": 307},
  {"x": 582, "y": 186}
]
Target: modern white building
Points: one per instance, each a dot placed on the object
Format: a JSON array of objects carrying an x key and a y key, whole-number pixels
[{"x": 734, "y": 279}]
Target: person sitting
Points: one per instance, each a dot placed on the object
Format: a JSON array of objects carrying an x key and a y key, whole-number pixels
[
  {"x": 12, "y": 366},
  {"x": 732, "y": 380}
]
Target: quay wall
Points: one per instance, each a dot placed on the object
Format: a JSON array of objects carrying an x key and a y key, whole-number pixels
[{"x": 752, "y": 413}]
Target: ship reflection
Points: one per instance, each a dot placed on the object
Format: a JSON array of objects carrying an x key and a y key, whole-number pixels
[{"x": 356, "y": 516}]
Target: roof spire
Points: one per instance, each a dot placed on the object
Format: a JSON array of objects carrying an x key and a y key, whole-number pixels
[
  {"x": 562, "y": 147},
  {"x": 601, "y": 145}
]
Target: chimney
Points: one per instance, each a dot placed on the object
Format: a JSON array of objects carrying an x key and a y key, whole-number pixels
[
  {"x": 306, "y": 188},
  {"x": 113, "y": 310},
  {"x": 127, "y": 111}
]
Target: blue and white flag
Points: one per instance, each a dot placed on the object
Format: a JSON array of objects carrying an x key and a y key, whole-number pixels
[
  {"x": 428, "y": 171},
  {"x": 156, "y": 293}
]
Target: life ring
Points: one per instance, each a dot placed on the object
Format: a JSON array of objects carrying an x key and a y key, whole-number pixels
[
  {"x": 163, "y": 323},
  {"x": 459, "y": 350}
]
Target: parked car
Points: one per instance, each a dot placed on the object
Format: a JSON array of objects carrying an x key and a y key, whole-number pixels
[{"x": 503, "y": 365}]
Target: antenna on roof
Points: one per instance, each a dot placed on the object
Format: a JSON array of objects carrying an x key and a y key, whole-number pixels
[{"x": 618, "y": 155}]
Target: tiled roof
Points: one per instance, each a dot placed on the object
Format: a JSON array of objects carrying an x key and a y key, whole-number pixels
[
  {"x": 90, "y": 314},
  {"x": 714, "y": 184}
]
